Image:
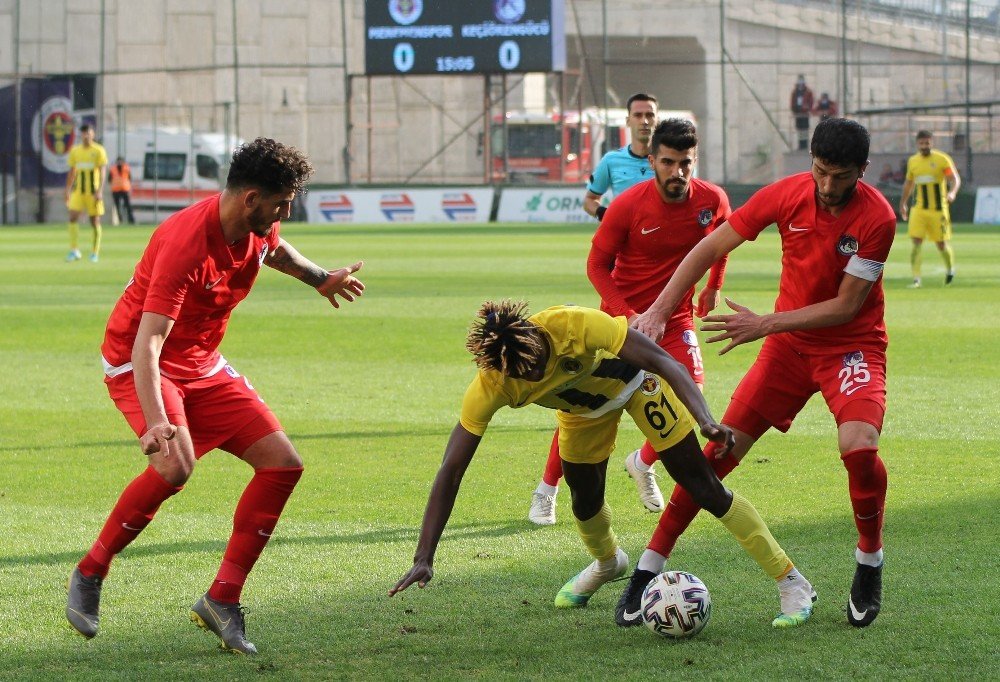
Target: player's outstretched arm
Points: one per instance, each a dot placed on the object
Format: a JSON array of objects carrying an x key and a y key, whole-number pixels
[
  {"x": 640, "y": 351},
  {"x": 340, "y": 282},
  {"x": 457, "y": 455},
  {"x": 720, "y": 242},
  {"x": 745, "y": 325}
]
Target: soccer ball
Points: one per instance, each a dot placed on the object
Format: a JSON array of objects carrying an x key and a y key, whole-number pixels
[{"x": 675, "y": 605}]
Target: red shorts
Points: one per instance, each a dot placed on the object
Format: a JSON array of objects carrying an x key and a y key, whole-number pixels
[
  {"x": 682, "y": 345},
  {"x": 781, "y": 380},
  {"x": 221, "y": 411}
]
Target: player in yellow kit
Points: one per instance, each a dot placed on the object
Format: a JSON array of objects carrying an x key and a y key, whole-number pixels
[
  {"x": 934, "y": 176},
  {"x": 591, "y": 368},
  {"x": 87, "y": 164}
]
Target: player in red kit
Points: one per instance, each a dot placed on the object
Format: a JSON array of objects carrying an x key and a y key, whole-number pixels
[
  {"x": 642, "y": 238},
  {"x": 165, "y": 374},
  {"x": 826, "y": 334}
]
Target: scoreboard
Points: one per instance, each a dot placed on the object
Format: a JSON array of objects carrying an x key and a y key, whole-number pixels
[{"x": 421, "y": 37}]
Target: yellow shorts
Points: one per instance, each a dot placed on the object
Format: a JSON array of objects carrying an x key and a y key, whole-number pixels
[
  {"x": 654, "y": 408},
  {"x": 89, "y": 203},
  {"x": 930, "y": 225}
]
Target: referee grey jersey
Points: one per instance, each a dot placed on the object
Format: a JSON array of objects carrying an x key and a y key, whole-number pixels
[{"x": 619, "y": 170}]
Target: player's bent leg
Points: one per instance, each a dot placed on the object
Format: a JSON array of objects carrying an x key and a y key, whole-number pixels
[
  {"x": 593, "y": 519},
  {"x": 131, "y": 514},
  {"x": 542, "y": 511},
  {"x": 226, "y": 621},
  {"x": 642, "y": 475}
]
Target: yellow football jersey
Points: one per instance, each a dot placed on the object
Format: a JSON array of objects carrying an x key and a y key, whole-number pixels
[
  {"x": 928, "y": 174},
  {"x": 583, "y": 375},
  {"x": 88, "y": 162}
]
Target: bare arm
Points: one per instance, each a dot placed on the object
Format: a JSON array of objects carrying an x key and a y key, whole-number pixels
[
  {"x": 707, "y": 252},
  {"x": 99, "y": 180},
  {"x": 641, "y": 352},
  {"x": 340, "y": 282},
  {"x": 745, "y": 325},
  {"x": 70, "y": 178},
  {"x": 954, "y": 182},
  {"x": 904, "y": 201},
  {"x": 457, "y": 455},
  {"x": 591, "y": 202},
  {"x": 153, "y": 331}
]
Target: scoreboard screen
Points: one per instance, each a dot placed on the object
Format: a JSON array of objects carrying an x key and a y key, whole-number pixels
[{"x": 410, "y": 37}]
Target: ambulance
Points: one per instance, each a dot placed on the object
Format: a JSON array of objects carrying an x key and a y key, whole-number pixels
[{"x": 172, "y": 168}]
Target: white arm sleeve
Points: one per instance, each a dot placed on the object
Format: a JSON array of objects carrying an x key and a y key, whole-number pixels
[{"x": 863, "y": 268}]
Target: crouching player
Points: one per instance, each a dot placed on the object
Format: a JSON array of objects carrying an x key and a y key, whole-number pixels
[{"x": 591, "y": 367}]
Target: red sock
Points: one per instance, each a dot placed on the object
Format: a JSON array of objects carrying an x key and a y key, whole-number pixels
[
  {"x": 648, "y": 455},
  {"x": 867, "y": 482},
  {"x": 681, "y": 509},
  {"x": 553, "y": 466},
  {"x": 255, "y": 518},
  {"x": 133, "y": 512}
]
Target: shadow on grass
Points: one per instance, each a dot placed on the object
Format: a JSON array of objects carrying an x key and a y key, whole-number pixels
[{"x": 399, "y": 534}]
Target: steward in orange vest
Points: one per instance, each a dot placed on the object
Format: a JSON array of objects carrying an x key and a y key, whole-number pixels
[{"x": 120, "y": 176}]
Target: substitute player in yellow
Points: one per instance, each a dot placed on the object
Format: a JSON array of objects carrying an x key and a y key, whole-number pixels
[
  {"x": 591, "y": 367},
  {"x": 933, "y": 174},
  {"x": 87, "y": 164}
]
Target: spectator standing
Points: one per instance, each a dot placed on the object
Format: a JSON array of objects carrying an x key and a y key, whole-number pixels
[{"x": 120, "y": 177}]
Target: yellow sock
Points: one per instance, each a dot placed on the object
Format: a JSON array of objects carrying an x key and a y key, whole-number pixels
[
  {"x": 743, "y": 521},
  {"x": 97, "y": 238},
  {"x": 915, "y": 261},
  {"x": 74, "y": 236},
  {"x": 949, "y": 257},
  {"x": 597, "y": 535}
]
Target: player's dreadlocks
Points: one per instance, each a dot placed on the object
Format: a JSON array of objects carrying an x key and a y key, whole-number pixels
[
  {"x": 501, "y": 338},
  {"x": 270, "y": 166}
]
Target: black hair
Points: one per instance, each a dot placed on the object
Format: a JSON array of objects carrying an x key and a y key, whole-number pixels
[
  {"x": 841, "y": 142},
  {"x": 269, "y": 166},
  {"x": 502, "y": 339},
  {"x": 675, "y": 133},
  {"x": 638, "y": 97}
]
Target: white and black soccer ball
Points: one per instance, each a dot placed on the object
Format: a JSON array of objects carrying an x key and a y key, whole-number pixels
[{"x": 676, "y": 604}]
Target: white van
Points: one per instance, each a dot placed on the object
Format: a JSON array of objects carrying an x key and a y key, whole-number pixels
[{"x": 171, "y": 167}]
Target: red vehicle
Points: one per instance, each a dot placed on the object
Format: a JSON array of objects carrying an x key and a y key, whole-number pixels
[
  {"x": 527, "y": 147},
  {"x": 544, "y": 148}
]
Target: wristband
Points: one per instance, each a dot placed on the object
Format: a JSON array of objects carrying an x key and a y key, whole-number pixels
[{"x": 601, "y": 210}]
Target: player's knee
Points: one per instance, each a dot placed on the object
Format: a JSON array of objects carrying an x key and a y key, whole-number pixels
[{"x": 174, "y": 470}]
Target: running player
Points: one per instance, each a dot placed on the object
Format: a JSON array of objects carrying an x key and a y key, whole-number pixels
[
  {"x": 644, "y": 235},
  {"x": 933, "y": 174},
  {"x": 586, "y": 365},
  {"x": 180, "y": 396},
  {"x": 84, "y": 182},
  {"x": 826, "y": 334}
]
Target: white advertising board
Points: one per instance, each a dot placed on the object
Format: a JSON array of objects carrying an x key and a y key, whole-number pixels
[
  {"x": 543, "y": 205},
  {"x": 987, "y": 206},
  {"x": 445, "y": 205}
]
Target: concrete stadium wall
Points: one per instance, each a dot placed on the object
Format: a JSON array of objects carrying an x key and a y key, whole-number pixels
[{"x": 292, "y": 78}]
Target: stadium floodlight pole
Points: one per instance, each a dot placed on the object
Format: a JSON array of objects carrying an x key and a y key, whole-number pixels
[
  {"x": 968, "y": 91},
  {"x": 236, "y": 76},
  {"x": 17, "y": 111},
  {"x": 722, "y": 85},
  {"x": 347, "y": 93},
  {"x": 606, "y": 55}
]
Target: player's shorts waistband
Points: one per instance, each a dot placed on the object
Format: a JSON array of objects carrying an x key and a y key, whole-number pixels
[{"x": 112, "y": 371}]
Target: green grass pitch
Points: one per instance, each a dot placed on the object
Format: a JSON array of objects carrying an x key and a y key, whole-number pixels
[{"x": 369, "y": 393}]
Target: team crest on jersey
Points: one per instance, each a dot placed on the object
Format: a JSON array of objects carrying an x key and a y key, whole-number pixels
[
  {"x": 571, "y": 365},
  {"x": 847, "y": 246},
  {"x": 262, "y": 256},
  {"x": 705, "y": 217},
  {"x": 855, "y": 357},
  {"x": 231, "y": 372},
  {"x": 650, "y": 384},
  {"x": 688, "y": 337}
]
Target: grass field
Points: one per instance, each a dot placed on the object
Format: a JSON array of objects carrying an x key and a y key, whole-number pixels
[{"x": 369, "y": 393}]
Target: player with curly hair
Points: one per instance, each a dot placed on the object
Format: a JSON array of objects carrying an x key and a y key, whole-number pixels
[
  {"x": 591, "y": 368},
  {"x": 179, "y": 395}
]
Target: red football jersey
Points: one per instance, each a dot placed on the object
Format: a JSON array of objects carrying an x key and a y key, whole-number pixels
[
  {"x": 649, "y": 238},
  {"x": 189, "y": 274},
  {"x": 815, "y": 250}
]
